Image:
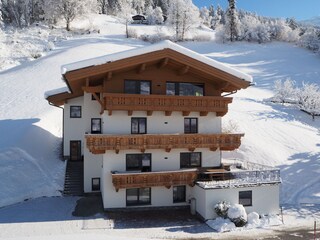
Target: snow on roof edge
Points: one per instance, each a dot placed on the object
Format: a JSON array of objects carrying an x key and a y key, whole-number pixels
[
  {"x": 56, "y": 91},
  {"x": 152, "y": 48}
]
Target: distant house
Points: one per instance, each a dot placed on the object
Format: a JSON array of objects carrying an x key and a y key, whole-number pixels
[
  {"x": 139, "y": 19},
  {"x": 146, "y": 123}
]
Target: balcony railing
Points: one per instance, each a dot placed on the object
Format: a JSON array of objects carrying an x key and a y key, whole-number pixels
[
  {"x": 242, "y": 174},
  {"x": 153, "y": 179},
  {"x": 168, "y": 104},
  {"x": 99, "y": 144}
]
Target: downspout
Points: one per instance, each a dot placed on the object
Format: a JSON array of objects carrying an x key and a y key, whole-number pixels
[{"x": 51, "y": 104}]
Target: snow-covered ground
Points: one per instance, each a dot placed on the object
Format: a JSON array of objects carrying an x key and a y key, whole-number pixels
[{"x": 275, "y": 135}]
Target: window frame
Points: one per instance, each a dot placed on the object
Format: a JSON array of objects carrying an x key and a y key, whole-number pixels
[
  {"x": 245, "y": 198},
  {"x": 140, "y": 162},
  {"x": 189, "y": 159},
  {"x": 100, "y": 126},
  {"x": 137, "y": 86},
  {"x": 139, "y": 119},
  {"x": 184, "y": 194},
  {"x": 92, "y": 185},
  {"x": 79, "y": 109},
  {"x": 177, "y": 87},
  {"x": 138, "y": 202},
  {"x": 190, "y": 127}
]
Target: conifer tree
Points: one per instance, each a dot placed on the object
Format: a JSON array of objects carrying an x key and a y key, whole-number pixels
[{"x": 232, "y": 21}]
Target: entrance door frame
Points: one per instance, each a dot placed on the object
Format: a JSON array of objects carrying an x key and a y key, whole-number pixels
[{"x": 78, "y": 150}]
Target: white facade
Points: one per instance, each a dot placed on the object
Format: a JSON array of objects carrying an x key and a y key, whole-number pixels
[{"x": 265, "y": 199}]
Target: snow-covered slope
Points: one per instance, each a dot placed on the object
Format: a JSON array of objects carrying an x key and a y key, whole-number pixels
[
  {"x": 312, "y": 21},
  {"x": 274, "y": 134}
]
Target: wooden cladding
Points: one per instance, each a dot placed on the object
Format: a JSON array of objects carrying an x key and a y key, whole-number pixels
[
  {"x": 168, "y": 104},
  {"x": 99, "y": 144},
  {"x": 153, "y": 179}
]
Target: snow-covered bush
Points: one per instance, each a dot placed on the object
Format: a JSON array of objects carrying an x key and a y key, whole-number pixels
[
  {"x": 221, "y": 224},
  {"x": 132, "y": 33},
  {"x": 253, "y": 219},
  {"x": 154, "y": 37},
  {"x": 202, "y": 38},
  {"x": 309, "y": 99},
  {"x": 221, "y": 209},
  {"x": 285, "y": 92},
  {"x": 237, "y": 214}
]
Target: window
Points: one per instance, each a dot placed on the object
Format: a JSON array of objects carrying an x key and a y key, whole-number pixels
[
  {"x": 190, "y": 160},
  {"x": 138, "y": 162},
  {"x": 95, "y": 184},
  {"x": 185, "y": 89},
  {"x": 138, "y": 196},
  {"x": 75, "y": 111},
  {"x": 96, "y": 125},
  {"x": 138, "y": 125},
  {"x": 92, "y": 97},
  {"x": 190, "y": 125},
  {"x": 137, "y": 87},
  {"x": 179, "y": 194},
  {"x": 245, "y": 198}
]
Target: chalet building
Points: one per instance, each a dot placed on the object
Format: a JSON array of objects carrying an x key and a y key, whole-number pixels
[{"x": 147, "y": 125}]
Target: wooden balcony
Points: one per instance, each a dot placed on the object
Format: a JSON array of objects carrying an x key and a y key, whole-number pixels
[
  {"x": 153, "y": 179},
  {"x": 99, "y": 144},
  {"x": 167, "y": 104}
]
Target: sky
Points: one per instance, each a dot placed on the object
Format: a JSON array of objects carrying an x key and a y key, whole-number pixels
[{"x": 300, "y": 9}]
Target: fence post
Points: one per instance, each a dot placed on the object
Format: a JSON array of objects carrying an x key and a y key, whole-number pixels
[{"x": 315, "y": 229}]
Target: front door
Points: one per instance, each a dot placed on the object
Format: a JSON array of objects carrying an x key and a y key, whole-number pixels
[{"x": 75, "y": 150}]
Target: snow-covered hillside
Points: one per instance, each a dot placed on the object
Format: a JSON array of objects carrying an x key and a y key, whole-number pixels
[
  {"x": 274, "y": 134},
  {"x": 312, "y": 21}
]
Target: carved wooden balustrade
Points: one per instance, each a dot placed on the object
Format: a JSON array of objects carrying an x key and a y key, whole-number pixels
[
  {"x": 153, "y": 179},
  {"x": 99, "y": 144},
  {"x": 166, "y": 103}
]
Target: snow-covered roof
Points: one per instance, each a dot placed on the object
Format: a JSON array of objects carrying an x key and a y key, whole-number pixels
[
  {"x": 56, "y": 91},
  {"x": 152, "y": 48}
]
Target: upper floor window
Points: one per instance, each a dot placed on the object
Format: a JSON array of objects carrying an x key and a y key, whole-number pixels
[
  {"x": 137, "y": 87},
  {"x": 190, "y": 159},
  {"x": 95, "y": 125},
  {"x": 190, "y": 125},
  {"x": 138, "y": 162},
  {"x": 138, "y": 125},
  {"x": 185, "y": 89},
  {"x": 75, "y": 111}
]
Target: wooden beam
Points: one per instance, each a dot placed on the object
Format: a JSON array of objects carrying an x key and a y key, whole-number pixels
[
  {"x": 109, "y": 112},
  {"x": 109, "y": 75},
  {"x": 149, "y": 113},
  {"x": 95, "y": 89},
  {"x": 168, "y": 113},
  {"x": 185, "y": 113},
  {"x": 130, "y": 112},
  {"x": 163, "y": 63},
  {"x": 141, "y": 68},
  {"x": 87, "y": 82},
  {"x": 213, "y": 149},
  {"x": 191, "y": 149},
  {"x": 96, "y": 97},
  {"x": 203, "y": 114},
  {"x": 183, "y": 70}
]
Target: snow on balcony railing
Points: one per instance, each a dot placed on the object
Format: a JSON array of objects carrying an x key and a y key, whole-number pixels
[{"x": 242, "y": 173}]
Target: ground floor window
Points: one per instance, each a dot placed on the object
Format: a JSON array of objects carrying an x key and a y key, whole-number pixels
[
  {"x": 138, "y": 196},
  {"x": 245, "y": 198},
  {"x": 179, "y": 194},
  {"x": 95, "y": 186}
]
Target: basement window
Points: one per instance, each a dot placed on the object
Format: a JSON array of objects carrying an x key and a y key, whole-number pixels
[
  {"x": 95, "y": 184},
  {"x": 245, "y": 198}
]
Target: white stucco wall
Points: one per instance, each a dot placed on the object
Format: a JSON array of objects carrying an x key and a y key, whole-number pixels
[
  {"x": 92, "y": 169},
  {"x": 265, "y": 199},
  {"x": 73, "y": 127},
  {"x": 120, "y": 123}
]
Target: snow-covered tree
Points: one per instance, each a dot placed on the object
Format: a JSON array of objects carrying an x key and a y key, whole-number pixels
[
  {"x": 138, "y": 6},
  {"x": 182, "y": 15},
  {"x": 205, "y": 16},
  {"x": 285, "y": 91},
  {"x": 309, "y": 98},
  {"x": 154, "y": 16},
  {"x": 232, "y": 22},
  {"x": 103, "y": 6},
  {"x": 69, "y": 10},
  {"x": 126, "y": 13},
  {"x": 292, "y": 23}
]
